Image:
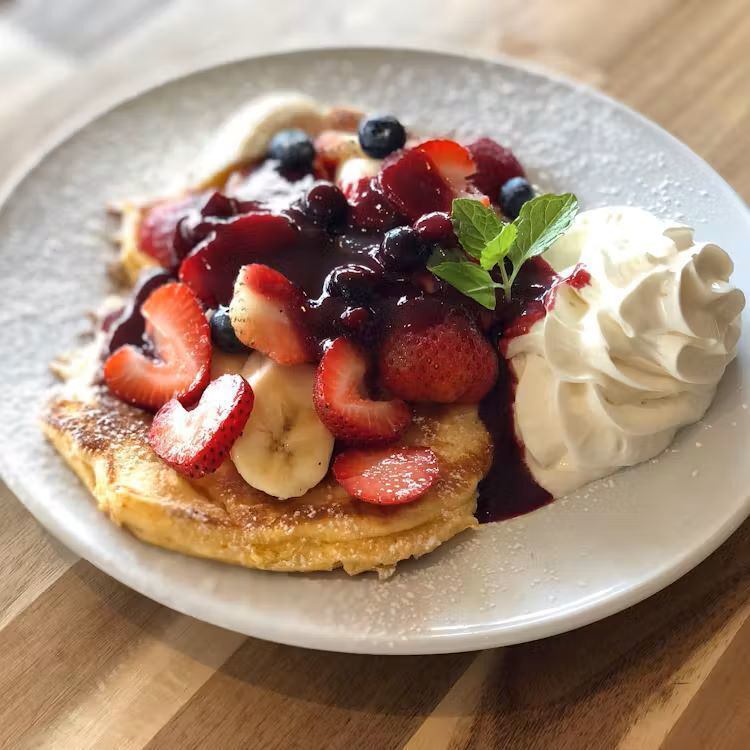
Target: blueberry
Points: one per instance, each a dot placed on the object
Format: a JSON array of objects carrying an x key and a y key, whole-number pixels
[
  {"x": 292, "y": 148},
  {"x": 326, "y": 204},
  {"x": 222, "y": 333},
  {"x": 353, "y": 282},
  {"x": 402, "y": 250},
  {"x": 513, "y": 194},
  {"x": 380, "y": 135}
]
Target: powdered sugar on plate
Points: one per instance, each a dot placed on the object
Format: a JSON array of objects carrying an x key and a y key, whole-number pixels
[{"x": 578, "y": 559}]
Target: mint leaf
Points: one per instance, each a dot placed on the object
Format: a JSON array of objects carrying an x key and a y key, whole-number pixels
[
  {"x": 483, "y": 235},
  {"x": 541, "y": 221},
  {"x": 497, "y": 248},
  {"x": 442, "y": 254},
  {"x": 469, "y": 279},
  {"x": 475, "y": 225}
]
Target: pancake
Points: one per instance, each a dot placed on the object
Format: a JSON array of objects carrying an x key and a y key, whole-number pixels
[{"x": 223, "y": 518}]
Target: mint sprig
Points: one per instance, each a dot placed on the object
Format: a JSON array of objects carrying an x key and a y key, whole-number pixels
[
  {"x": 475, "y": 226},
  {"x": 469, "y": 279},
  {"x": 542, "y": 220},
  {"x": 497, "y": 248},
  {"x": 498, "y": 245}
]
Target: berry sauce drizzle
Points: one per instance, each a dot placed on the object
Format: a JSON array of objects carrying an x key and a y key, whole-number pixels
[
  {"x": 508, "y": 489},
  {"x": 354, "y": 291}
]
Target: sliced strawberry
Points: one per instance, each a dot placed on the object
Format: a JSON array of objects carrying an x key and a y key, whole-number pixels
[
  {"x": 180, "y": 333},
  {"x": 211, "y": 269},
  {"x": 428, "y": 177},
  {"x": 452, "y": 160},
  {"x": 496, "y": 165},
  {"x": 268, "y": 314},
  {"x": 343, "y": 405},
  {"x": 444, "y": 361},
  {"x": 370, "y": 207},
  {"x": 412, "y": 183},
  {"x": 129, "y": 326},
  {"x": 392, "y": 476},
  {"x": 158, "y": 223},
  {"x": 196, "y": 442}
]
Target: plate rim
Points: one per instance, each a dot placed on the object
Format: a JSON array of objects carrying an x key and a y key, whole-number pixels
[{"x": 563, "y": 620}]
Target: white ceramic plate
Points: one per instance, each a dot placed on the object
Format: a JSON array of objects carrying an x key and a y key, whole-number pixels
[{"x": 575, "y": 561}]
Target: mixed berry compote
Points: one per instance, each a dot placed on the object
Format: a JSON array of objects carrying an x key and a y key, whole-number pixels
[{"x": 356, "y": 254}]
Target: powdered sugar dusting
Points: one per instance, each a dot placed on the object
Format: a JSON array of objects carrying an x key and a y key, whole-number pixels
[{"x": 508, "y": 581}]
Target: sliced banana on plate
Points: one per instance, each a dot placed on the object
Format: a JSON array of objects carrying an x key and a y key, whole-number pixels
[
  {"x": 244, "y": 137},
  {"x": 285, "y": 449},
  {"x": 226, "y": 364},
  {"x": 351, "y": 171}
]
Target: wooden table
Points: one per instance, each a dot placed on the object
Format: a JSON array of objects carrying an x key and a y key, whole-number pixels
[{"x": 87, "y": 663}]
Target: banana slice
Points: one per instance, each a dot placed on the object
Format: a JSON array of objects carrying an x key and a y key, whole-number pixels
[
  {"x": 285, "y": 449},
  {"x": 226, "y": 364},
  {"x": 244, "y": 137},
  {"x": 350, "y": 171}
]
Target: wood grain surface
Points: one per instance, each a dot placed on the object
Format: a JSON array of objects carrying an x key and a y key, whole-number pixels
[{"x": 87, "y": 663}]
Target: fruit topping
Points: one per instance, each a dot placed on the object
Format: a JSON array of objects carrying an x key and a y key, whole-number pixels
[
  {"x": 129, "y": 326},
  {"x": 336, "y": 146},
  {"x": 349, "y": 174},
  {"x": 391, "y": 476},
  {"x": 381, "y": 135},
  {"x": 179, "y": 333},
  {"x": 352, "y": 282},
  {"x": 354, "y": 318},
  {"x": 453, "y": 162},
  {"x": 268, "y": 314},
  {"x": 227, "y": 364},
  {"x": 211, "y": 269},
  {"x": 513, "y": 194},
  {"x": 370, "y": 207},
  {"x": 412, "y": 183},
  {"x": 195, "y": 442},
  {"x": 495, "y": 166},
  {"x": 402, "y": 250},
  {"x": 293, "y": 149},
  {"x": 326, "y": 204},
  {"x": 220, "y": 206},
  {"x": 436, "y": 227},
  {"x": 445, "y": 361},
  {"x": 285, "y": 449},
  {"x": 222, "y": 333},
  {"x": 157, "y": 226},
  {"x": 343, "y": 404}
]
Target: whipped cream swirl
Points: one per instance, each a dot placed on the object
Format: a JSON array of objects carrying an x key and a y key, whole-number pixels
[{"x": 618, "y": 365}]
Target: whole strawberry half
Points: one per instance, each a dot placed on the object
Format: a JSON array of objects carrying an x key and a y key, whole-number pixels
[
  {"x": 211, "y": 269},
  {"x": 268, "y": 313},
  {"x": 391, "y": 476},
  {"x": 195, "y": 442},
  {"x": 496, "y": 165},
  {"x": 445, "y": 361},
  {"x": 179, "y": 332},
  {"x": 343, "y": 404},
  {"x": 158, "y": 223}
]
